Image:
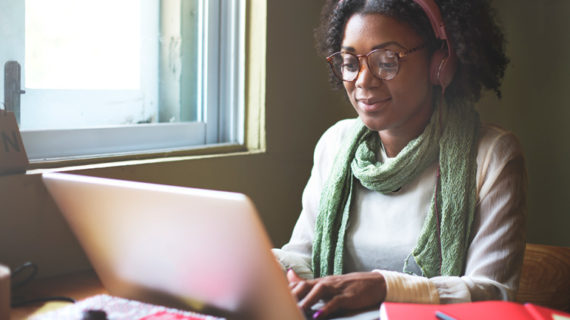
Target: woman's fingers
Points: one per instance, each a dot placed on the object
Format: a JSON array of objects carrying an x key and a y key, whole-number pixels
[
  {"x": 319, "y": 291},
  {"x": 299, "y": 286},
  {"x": 292, "y": 276},
  {"x": 301, "y": 289},
  {"x": 335, "y": 304},
  {"x": 354, "y": 291}
]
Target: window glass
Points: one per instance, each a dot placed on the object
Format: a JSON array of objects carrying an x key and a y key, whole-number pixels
[
  {"x": 74, "y": 44},
  {"x": 152, "y": 74}
]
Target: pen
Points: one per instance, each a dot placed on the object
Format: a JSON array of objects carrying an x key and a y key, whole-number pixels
[{"x": 442, "y": 316}]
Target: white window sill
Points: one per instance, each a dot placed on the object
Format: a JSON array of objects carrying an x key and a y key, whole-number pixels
[{"x": 156, "y": 156}]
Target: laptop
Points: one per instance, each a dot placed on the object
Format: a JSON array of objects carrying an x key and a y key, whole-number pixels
[{"x": 186, "y": 248}]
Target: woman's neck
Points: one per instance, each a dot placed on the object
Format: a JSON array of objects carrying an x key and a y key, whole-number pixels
[
  {"x": 393, "y": 144},
  {"x": 394, "y": 140}
]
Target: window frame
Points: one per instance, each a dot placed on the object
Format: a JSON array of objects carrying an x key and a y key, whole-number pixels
[{"x": 220, "y": 113}]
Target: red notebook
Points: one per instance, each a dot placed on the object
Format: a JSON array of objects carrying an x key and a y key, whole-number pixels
[{"x": 470, "y": 311}]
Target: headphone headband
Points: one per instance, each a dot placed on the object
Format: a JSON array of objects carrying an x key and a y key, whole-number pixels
[
  {"x": 434, "y": 14},
  {"x": 443, "y": 64}
]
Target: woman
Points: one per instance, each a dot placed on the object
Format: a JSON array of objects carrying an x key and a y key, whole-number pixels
[{"x": 415, "y": 200}]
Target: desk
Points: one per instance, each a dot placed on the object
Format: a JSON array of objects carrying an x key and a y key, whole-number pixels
[
  {"x": 77, "y": 286},
  {"x": 82, "y": 285}
]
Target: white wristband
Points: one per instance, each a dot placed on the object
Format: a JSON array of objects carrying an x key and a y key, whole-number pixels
[{"x": 4, "y": 293}]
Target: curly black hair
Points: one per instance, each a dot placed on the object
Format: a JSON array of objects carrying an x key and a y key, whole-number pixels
[{"x": 471, "y": 26}]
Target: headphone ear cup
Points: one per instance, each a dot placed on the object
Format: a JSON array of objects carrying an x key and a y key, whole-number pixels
[
  {"x": 442, "y": 68},
  {"x": 437, "y": 59}
]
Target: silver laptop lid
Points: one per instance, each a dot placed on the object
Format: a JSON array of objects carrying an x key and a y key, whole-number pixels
[{"x": 188, "y": 248}]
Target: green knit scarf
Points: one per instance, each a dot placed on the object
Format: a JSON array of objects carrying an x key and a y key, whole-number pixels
[{"x": 450, "y": 137}]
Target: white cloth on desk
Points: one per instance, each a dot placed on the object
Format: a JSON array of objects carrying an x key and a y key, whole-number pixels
[{"x": 384, "y": 228}]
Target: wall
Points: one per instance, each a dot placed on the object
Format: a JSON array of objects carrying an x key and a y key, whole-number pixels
[
  {"x": 536, "y": 97},
  {"x": 300, "y": 106}
]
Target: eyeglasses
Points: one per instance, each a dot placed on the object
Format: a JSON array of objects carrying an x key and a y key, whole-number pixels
[{"x": 382, "y": 63}]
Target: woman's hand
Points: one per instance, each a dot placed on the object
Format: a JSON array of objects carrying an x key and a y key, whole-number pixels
[{"x": 352, "y": 291}]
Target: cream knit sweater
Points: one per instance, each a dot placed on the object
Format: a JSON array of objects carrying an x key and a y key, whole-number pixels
[{"x": 384, "y": 229}]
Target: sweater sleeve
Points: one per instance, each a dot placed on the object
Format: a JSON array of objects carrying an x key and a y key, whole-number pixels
[
  {"x": 297, "y": 253},
  {"x": 495, "y": 254}
]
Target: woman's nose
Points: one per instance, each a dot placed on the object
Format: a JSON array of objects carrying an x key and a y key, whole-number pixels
[{"x": 365, "y": 78}]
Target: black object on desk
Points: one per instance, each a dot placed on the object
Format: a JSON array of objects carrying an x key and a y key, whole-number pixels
[{"x": 92, "y": 314}]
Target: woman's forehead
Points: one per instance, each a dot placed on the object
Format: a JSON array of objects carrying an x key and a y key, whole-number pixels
[{"x": 368, "y": 31}]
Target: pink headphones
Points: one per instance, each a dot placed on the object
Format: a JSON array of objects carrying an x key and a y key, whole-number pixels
[{"x": 443, "y": 63}]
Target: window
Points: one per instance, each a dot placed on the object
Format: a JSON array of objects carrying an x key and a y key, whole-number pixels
[{"x": 126, "y": 76}]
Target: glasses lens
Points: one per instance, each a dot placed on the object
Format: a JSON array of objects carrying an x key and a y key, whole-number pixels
[
  {"x": 384, "y": 64},
  {"x": 345, "y": 66}
]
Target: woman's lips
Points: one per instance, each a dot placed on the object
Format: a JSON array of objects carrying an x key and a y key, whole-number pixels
[{"x": 372, "y": 105}]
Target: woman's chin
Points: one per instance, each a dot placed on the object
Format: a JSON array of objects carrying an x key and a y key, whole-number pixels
[{"x": 373, "y": 124}]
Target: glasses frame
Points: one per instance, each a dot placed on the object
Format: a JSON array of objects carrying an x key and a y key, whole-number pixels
[{"x": 399, "y": 55}]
